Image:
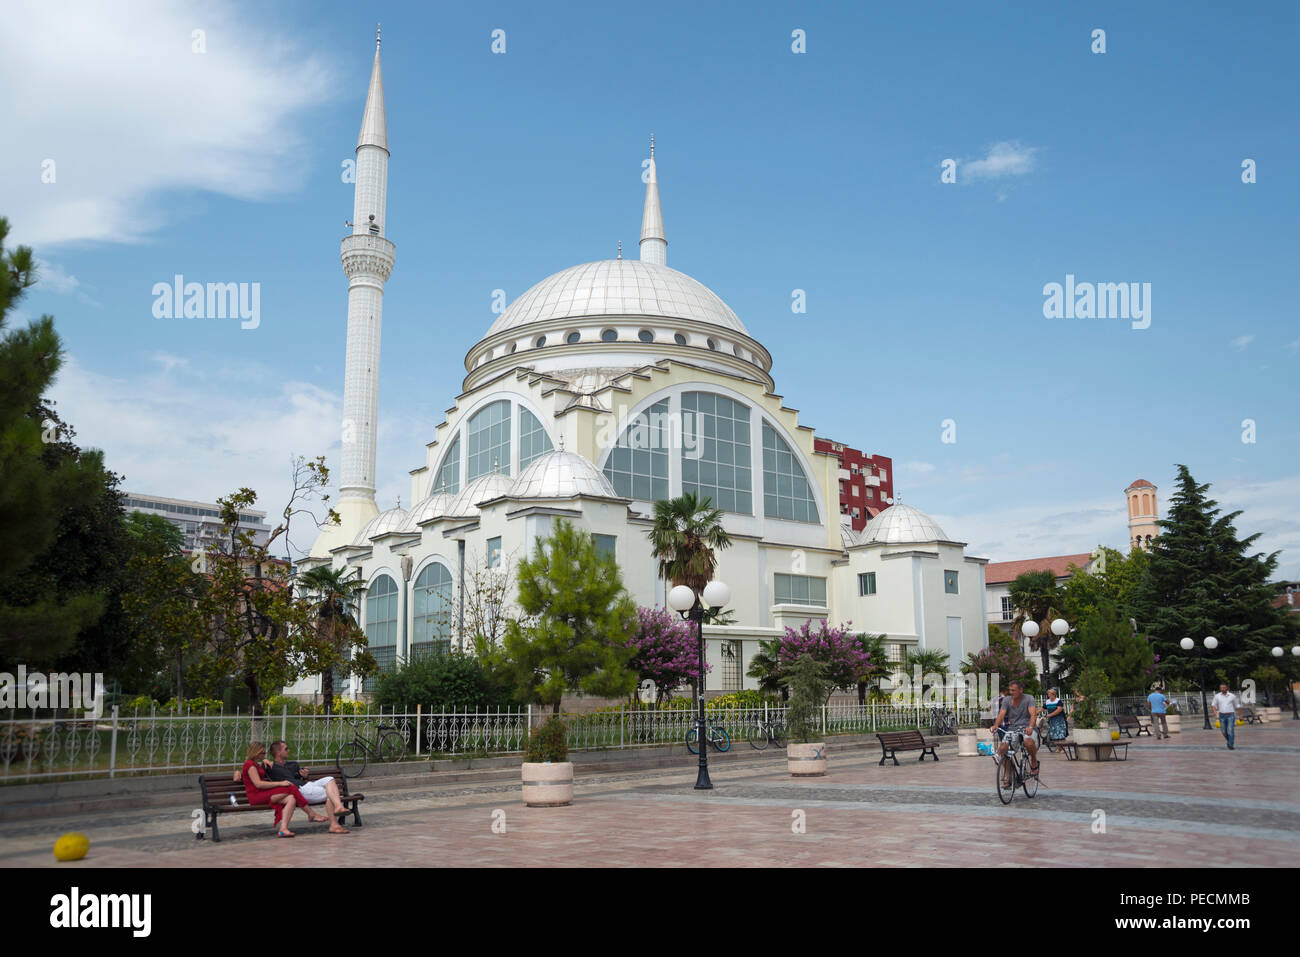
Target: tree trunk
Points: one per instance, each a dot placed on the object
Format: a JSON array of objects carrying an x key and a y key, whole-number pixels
[
  {"x": 327, "y": 689},
  {"x": 180, "y": 672},
  {"x": 555, "y": 710},
  {"x": 862, "y": 693}
]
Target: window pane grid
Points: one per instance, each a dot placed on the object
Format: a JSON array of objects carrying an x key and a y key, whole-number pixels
[
  {"x": 448, "y": 477},
  {"x": 381, "y": 624},
  {"x": 787, "y": 493},
  {"x": 715, "y": 453},
  {"x": 533, "y": 440},
  {"x": 489, "y": 440},
  {"x": 637, "y": 466},
  {"x": 799, "y": 589}
]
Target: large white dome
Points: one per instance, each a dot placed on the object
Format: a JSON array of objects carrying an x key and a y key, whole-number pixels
[
  {"x": 901, "y": 525},
  {"x": 618, "y": 287},
  {"x": 562, "y": 474}
]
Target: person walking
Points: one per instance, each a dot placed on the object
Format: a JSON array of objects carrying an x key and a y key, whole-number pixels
[
  {"x": 1225, "y": 705},
  {"x": 1159, "y": 708}
]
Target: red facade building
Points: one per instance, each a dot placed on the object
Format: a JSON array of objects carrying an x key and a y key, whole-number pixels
[{"x": 866, "y": 482}]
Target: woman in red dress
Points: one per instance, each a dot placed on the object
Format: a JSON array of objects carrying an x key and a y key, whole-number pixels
[{"x": 283, "y": 797}]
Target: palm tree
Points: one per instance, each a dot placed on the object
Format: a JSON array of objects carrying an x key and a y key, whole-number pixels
[
  {"x": 766, "y": 667},
  {"x": 335, "y": 610},
  {"x": 931, "y": 661},
  {"x": 874, "y": 645},
  {"x": 686, "y": 532},
  {"x": 1035, "y": 598}
]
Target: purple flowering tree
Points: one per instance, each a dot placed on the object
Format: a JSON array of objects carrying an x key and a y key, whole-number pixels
[
  {"x": 665, "y": 651},
  {"x": 837, "y": 650}
]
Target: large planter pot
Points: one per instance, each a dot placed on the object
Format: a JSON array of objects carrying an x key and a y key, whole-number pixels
[
  {"x": 1091, "y": 736},
  {"x": 966, "y": 741},
  {"x": 548, "y": 785},
  {"x": 1174, "y": 722},
  {"x": 806, "y": 760},
  {"x": 1271, "y": 714}
]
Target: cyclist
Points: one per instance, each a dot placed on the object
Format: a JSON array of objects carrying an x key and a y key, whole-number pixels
[{"x": 1018, "y": 712}]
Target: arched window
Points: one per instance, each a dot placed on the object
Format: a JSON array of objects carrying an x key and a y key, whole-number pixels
[
  {"x": 786, "y": 491},
  {"x": 711, "y": 344},
  {"x": 433, "y": 611},
  {"x": 541, "y": 341},
  {"x": 533, "y": 440},
  {"x": 489, "y": 440},
  {"x": 447, "y": 478},
  {"x": 715, "y": 451},
  {"x": 381, "y": 624},
  {"x": 638, "y": 465}
]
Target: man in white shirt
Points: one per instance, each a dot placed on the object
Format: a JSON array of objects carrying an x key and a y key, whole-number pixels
[{"x": 1225, "y": 705}]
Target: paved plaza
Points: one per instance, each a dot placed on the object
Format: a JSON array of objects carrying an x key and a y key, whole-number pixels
[{"x": 1185, "y": 802}]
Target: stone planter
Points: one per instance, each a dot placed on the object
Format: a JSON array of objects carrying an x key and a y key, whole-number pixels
[
  {"x": 1271, "y": 714},
  {"x": 548, "y": 785},
  {"x": 966, "y": 740},
  {"x": 1091, "y": 736},
  {"x": 1175, "y": 723},
  {"x": 806, "y": 760}
]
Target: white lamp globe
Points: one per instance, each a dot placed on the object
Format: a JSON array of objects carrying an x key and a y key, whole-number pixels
[
  {"x": 1211, "y": 642},
  {"x": 681, "y": 598},
  {"x": 1059, "y": 627},
  {"x": 1277, "y": 652},
  {"x": 716, "y": 594},
  {"x": 1029, "y": 629},
  {"x": 1187, "y": 644},
  {"x": 1295, "y": 650}
]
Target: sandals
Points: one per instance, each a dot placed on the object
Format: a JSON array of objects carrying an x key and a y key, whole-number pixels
[
  {"x": 317, "y": 820},
  {"x": 283, "y": 833}
]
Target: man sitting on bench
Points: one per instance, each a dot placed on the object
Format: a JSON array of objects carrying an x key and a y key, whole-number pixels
[{"x": 325, "y": 790}]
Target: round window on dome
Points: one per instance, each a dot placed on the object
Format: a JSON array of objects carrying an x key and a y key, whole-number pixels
[
  {"x": 572, "y": 337},
  {"x": 609, "y": 335},
  {"x": 679, "y": 338},
  {"x": 510, "y": 349},
  {"x": 541, "y": 341},
  {"x": 645, "y": 335},
  {"x": 712, "y": 345}
]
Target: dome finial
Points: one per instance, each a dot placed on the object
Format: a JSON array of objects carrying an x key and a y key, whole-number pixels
[
  {"x": 620, "y": 249},
  {"x": 561, "y": 443},
  {"x": 377, "y": 33},
  {"x": 654, "y": 242},
  {"x": 652, "y": 146}
]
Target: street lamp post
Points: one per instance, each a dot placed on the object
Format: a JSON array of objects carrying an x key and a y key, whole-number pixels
[
  {"x": 1060, "y": 628},
  {"x": 1290, "y": 676},
  {"x": 1210, "y": 644},
  {"x": 683, "y": 600}
]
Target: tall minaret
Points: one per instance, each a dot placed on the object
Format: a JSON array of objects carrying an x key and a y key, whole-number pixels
[
  {"x": 1142, "y": 514},
  {"x": 654, "y": 243},
  {"x": 367, "y": 262}
]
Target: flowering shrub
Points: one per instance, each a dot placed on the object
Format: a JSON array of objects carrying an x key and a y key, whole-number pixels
[
  {"x": 842, "y": 659},
  {"x": 664, "y": 651}
]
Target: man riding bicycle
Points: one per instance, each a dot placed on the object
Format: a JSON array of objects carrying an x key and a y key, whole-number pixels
[{"x": 1019, "y": 712}]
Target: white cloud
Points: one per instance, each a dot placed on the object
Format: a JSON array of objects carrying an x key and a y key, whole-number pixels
[
  {"x": 1001, "y": 160},
  {"x": 53, "y": 277},
  {"x": 203, "y": 428},
  {"x": 128, "y": 113},
  {"x": 921, "y": 467},
  {"x": 1241, "y": 342}
]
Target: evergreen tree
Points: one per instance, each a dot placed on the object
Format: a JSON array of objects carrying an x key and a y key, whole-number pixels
[
  {"x": 583, "y": 621},
  {"x": 1201, "y": 581},
  {"x": 1108, "y": 642}
]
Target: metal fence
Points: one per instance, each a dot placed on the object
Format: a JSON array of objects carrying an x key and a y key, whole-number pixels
[{"x": 35, "y": 748}]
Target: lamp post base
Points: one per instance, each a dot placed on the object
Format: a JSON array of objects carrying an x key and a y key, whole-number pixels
[{"x": 702, "y": 782}]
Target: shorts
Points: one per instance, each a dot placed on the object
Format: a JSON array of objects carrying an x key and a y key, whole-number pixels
[{"x": 314, "y": 791}]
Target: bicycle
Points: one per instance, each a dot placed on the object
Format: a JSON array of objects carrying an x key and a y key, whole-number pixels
[
  {"x": 1012, "y": 770},
  {"x": 351, "y": 759},
  {"x": 718, "y": 737},
  {"x": 942, "y": 721},
  {"x": 1044, "y": 734},
  {"x": 764, "y": 731}
]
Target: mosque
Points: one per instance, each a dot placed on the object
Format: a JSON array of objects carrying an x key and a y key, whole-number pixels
[{"x": 602, "y": 389}]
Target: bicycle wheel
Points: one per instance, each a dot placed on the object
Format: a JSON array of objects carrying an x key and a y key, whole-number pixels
[
  {"x": 720, "y": 740},
  {"x": 758, "y": 737},
  {"x": 778, "y": 736},
  {"x": 391, "y": 747},
  {"x": 692, "y": 739},
  {"x": 351, "y": 760},
  {"x": 1028, "y": 781},
  {"x": 1006, "y": 789}
]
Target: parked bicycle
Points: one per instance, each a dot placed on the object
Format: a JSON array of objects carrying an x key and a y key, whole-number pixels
[
  {"x": 388, "y": 745},
  {"x": 718, "y": 737},
  {"x": 767, "y": 730},
  {"x": 1013, "y": 768},
  {"x": 942, "y": 721}
]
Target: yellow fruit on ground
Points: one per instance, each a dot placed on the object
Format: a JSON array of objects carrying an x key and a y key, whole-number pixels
[
  {"x": 1217, "y": 725},
  {"x": 1114, "y": 735},
  {"x": 71, "y": 847}
]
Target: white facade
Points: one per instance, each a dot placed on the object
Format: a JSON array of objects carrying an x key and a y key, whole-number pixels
[{"x": 602, "y": 389}]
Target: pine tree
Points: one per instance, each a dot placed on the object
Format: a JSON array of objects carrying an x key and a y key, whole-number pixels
[
  {"x": 583, "y": 621},
  {"x": 1201, "y": 581}
]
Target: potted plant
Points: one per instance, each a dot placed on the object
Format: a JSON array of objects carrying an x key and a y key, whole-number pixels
[
  {"x": 806, "y": 753},
  {"x": 547, "y": 774},
  {"x": 1173, "y": 717},
  {"x": 1090, "y": 725}
]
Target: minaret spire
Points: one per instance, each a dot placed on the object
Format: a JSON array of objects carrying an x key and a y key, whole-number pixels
[
  {"x": 654, "y": 243},
  {"x": 374, "y": 125}
]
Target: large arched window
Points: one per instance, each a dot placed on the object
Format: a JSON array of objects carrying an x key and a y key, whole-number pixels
[
  {"x": 448, "y": 477},
  {"x": 381, "y": 623},
  {"x": 489, "y": 440},
  {"x": 786, "y": 491},
  {"x": 533, "y": 440},
  {"x": 433, "y": 610},
  {"x": 638, "y": 465},
  {"x": 715, "y": 451}
]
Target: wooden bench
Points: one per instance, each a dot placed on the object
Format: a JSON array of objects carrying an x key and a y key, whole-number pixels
[
  {"x": 1129, "y": 722},
  {"x": 1249, "y": 715},
  {"x": 894, "y": 741},
  {"x": 219, "y": 789}
]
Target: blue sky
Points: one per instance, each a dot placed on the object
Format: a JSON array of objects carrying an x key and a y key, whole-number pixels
[{"x": 778, "y": 171}]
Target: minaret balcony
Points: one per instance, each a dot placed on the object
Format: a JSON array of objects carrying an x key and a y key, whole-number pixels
[{"x": 367, "y": 255}]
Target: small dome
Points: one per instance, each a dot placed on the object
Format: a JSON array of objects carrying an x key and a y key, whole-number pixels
[
  {"x": 901, "y": 524},
  {"x": 482, "y": 489},
  {"x": 562, "y": 474},
  {"x": 381, "y": 524},
  {"x": 434, "y": 506},
  {"x": 1140, "y": 483},
  {"x": 848, "y": 537}
]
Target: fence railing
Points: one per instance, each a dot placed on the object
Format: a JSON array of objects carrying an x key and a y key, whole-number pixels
[{"x": 34, "y": 748}]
